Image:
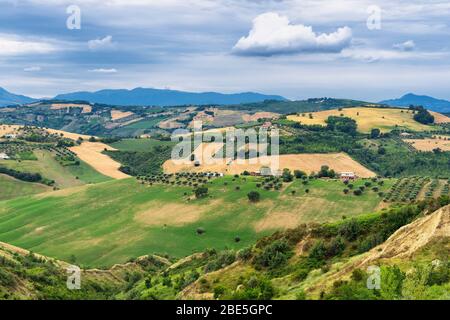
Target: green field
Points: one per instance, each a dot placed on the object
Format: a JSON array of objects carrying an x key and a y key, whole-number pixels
[
  {"x": 114, "y": 221},
  {"x": 139, "y": 145},
  {"x": 11, "y": 188},
  {"x": 49, "y": 168}
]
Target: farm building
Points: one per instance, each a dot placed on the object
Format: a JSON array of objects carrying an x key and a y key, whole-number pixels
[
  {"x": 348, "y": 176},
  {"x": 4, "y": 156}
]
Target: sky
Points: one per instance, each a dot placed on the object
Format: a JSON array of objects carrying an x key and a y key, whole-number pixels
[{"x": 358, "y": 49}]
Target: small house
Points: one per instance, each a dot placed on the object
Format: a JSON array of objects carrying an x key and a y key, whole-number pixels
[
  {"x": 4, "y": 156},
  {"x": 346, "y": 176}
]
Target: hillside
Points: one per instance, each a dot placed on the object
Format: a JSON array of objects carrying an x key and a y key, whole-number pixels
[
  {"x": 317, "y": 261},
  {"x": 438, "y": 105},
  {"x": 330, "y": 262},
  {"x": 385, "y": 119},
  {"x": 288, "y": 107},
  {"x": 159, "y": 97},
  {"x": 122, "y": 219}
]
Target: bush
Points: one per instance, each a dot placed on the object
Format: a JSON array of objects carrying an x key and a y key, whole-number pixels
[
  {"x": 273, "y": 256},
  {"x": 201, "y": 192},
  {"x": 254, "y": 196}
]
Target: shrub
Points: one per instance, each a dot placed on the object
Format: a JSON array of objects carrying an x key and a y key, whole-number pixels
[{"x": 254, "y": 196}]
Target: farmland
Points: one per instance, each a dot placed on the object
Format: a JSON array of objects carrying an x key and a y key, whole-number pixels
[
  {"x": 50, "y": 168},
  {"x": 91, "y": 153},
  {"x": 385, "y": 119},
  {"x": 114, "y": 221},
  {"x": 11, "y": 188},
  {"x": 428, "y": 145},
  {"x": 307, "y": 162}
]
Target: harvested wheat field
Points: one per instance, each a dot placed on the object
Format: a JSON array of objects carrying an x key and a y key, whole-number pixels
[
  {"x": 58, "y": 106},
  {"x": 385, "y": 119},
  {"x": 69, "y": 135},
  {"x": 8, "y": 129},
  {"x": 429, "y": 144},
  {"x": 309, "y": 163},
  {"x": 439, "y": 118},
  {"x": 91, "y": 153},
  {"x": 117, "y": 114}
]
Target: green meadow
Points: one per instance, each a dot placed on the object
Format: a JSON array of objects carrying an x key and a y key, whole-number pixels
[
  {"x": 50, "y": 168},
  {"x": 139, "y": 145},
  {"x": 12, "y": 188},
  {"x": 112, "y": 222}
]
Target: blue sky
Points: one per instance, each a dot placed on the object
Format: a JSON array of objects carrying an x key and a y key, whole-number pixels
[{"x": 296, "y": 48}]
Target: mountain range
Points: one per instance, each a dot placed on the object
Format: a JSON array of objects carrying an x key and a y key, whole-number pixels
[
  {"x": 8, "y": 98},
  {"x": 146, "y": 97},
  {"x": 430, "y": 103},
  {"x": 165, "y": 97}
]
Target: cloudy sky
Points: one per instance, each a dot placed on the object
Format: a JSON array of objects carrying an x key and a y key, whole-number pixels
[{"x": 295, "y": 48}]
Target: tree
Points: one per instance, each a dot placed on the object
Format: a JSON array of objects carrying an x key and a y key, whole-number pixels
[
  {"x": 254, "y": 196},
  {"x": 342, "y": 124},
  {"x": 299, "y": 174},
  {"x": 287, "y": 175},
  {"x": 201, "y": 192},
  {"x": 375, "y": 133},
  {"x": 423, "y": 116}
]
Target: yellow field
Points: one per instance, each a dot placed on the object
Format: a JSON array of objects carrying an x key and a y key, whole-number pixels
[
  {"x": 385, "y": 119},
  {"x": 8, "y": 129},
  {"x": 117, "y": 114},
  {"x": 309, "y": 163},
  {"x": 68, "y": 135},
  {"x": 429, "y": 144},
  {"x": 91, "y": 153}
]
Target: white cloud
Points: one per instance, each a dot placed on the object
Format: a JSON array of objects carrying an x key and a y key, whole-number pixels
[
  {"x": 405, "y": 46},
  {"x": 101, "y": 70},
  {"x": 273, "y": 34},
  {"x": 11, "y": 45},
  {"x": 101, "y": 44},
  {"x": 32, "y": 69}
]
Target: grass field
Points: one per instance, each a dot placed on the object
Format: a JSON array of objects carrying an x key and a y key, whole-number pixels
[
  {"x": 139, "y": 145},
  {"x": 385, "y": 119},
  {"x": 113, "y": 221},
  {"x": 48, "y": 167},
  {"x": 11, "y": 188}
]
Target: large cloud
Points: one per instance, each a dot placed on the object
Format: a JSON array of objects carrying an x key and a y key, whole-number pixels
[{"x": 273, "y": 34}]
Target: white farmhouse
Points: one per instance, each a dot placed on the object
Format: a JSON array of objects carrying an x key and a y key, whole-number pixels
[{"x": 3, "y": 156}]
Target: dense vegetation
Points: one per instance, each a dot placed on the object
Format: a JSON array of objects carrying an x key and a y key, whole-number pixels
[
  {"x": 141, "y": 163},
  {"x": 288, "y": 107}
]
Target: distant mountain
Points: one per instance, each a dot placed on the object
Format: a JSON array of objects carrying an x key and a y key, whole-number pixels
[
  {"x": 431, "y": 103},
  {"x": 8, "y": 98},
  {"x": 158, "y": 97}
]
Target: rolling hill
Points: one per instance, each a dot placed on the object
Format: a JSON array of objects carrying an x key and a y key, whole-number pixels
[
  {"x": 385, "y": 119},
  {"x": 114, "y": 221},
  {"x": 159, "y": 97},
  {"x": 428, "y": 102}
]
